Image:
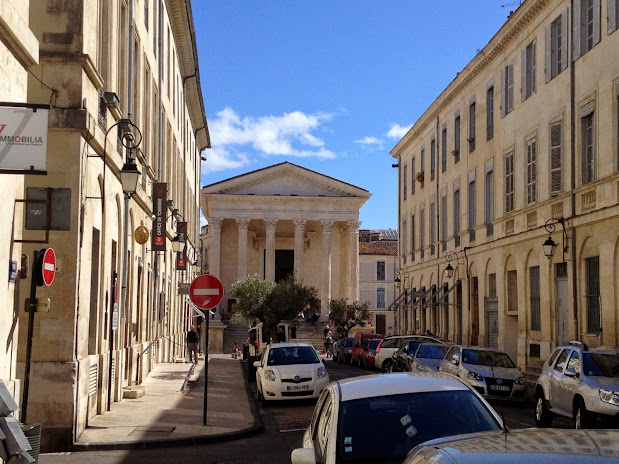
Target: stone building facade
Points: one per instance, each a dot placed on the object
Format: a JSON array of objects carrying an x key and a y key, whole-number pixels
[
  {"x": 522, "y": 146},
  {"x": 115, "y": 308},
  {"x": 378, "y": 255},
  {"x": 280, "y": 220}
]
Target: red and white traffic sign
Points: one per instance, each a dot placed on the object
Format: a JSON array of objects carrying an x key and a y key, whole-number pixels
[
  {"x": 206, "y": 291},
  {"x": 48, "y": 266}
]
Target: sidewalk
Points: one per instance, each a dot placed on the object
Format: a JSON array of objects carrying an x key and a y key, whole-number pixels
[{"x": 165, "y": 416}]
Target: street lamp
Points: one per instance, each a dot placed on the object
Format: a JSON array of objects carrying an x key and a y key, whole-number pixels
[
  {"x": 178, "y": 245},
  {"x": 549, "y": 244},
  {"x": 129, "y": 177},
  {"x": 449, "y": 256}
]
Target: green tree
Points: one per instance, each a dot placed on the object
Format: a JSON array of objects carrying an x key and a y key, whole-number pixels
[
  {"x": 344, "y": 316},
  {"x": 260, "y": 300}
]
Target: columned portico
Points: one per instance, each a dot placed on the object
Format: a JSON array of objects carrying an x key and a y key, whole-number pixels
[
  {"x": 279, "y": 220},
  {"x": 299, "y": 248},
  {"x": 242, "y": 255},
  {"x": 325, "y": 294}
]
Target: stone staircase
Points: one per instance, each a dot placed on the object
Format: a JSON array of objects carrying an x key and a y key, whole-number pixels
[
  {"x": 310, "y": 333},
  {"x": 232, "y": 333}
]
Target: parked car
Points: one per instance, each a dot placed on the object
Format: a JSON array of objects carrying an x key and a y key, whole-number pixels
[
  {"x": 489, "y": 371},
  {"x": 399, "y": 361},
  {"x": 343, "y": 351},
  {"x": 369, "y": 354},
  {"x": 362, "y": 340},
  {"x": 579, "y": 383},
  {"x": 533, "y": 446},
  {"x": 290, "y": 371},
  {"x": 405, "y": 409},
  {"x": 426, "y": 358},
  {"x": 393, "y": 343}
]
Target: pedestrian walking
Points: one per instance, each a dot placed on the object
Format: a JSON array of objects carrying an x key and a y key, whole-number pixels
[
  {"x": 235, "y": 350},
  {"x": 329, "y": 345},
  {"x": 192, "y": 344}
]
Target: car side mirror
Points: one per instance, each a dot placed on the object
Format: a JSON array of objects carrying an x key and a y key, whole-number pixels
[
  {"x": 303, "y": 456},
  {"x": 570, "y": 372},
  {"x": 257, "y": 363}
]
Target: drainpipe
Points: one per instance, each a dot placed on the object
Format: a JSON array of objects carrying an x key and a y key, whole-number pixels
[
  {"x": 573, "y": 179},
  {"x": 437, "y": 212}
]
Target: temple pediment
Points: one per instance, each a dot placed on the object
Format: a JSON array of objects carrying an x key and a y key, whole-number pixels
[{"x": 286, "y": 179}]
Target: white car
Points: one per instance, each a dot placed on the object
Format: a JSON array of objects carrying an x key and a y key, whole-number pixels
[
  {"x": 393, "y": 343},
  {"x": 489, "y": 371},
  {"x": 380, "y": 418},
  {"x": 289, "y": 371}
]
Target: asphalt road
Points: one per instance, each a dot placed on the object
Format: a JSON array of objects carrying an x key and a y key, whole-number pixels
[{"x": 284, "y": 423}]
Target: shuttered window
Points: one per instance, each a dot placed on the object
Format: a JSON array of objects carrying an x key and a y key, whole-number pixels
[
  {"x": 489, "y": 202},
  {"x": 529, "y": 65},
  {"x": 588, "y": 149},
  {"x": 413, "y": 176},
  {"x": 405, "y": 180},
  {"x": 457, "y": 139},
  {"x": 432, "y": 159},
  {"x": 471, "y": 211},
  {"x": 556, "y": 158},
  {"x": 380, "y": 297},
  {"x": 423, "y": 165},
  {"x": 432, "y": 226},
  {"x": 531, "y": 171},
  {"x": 592, "y": 294},
  {"x": 444, "y": 150},
  {"x": 509, "y": 182},
  {"x": 507, "y": 92},
  {"x": 586, "y": 26},
  {"x": 422, "y": 232},
  {"x": 413, "y": 241},
  {"x": 612, "y": 15},
  {"x": 556, "y": 46},
  {"x": 457, "y": 217},
  {"x": 490, "y": 113},
  {"x": 536, "y": 319},
  {"x": 380, "y": 270},
  {"x": 471, "y": 138},
  {"x": 444, "y": 221}
]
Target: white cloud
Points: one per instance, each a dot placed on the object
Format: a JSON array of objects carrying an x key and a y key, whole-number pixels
[
  {"x": 367, "y": 140},
  {"x": 397, "y": 132},
  {"x": 291, "y": 134}
]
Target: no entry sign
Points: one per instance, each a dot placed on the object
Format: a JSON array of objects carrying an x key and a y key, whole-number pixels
[
  {"x": 206, "y": 291},
  {"x": 44, "y": 267}
]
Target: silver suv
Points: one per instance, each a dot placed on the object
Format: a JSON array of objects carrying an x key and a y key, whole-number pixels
[{"x": 579, "y": 383}]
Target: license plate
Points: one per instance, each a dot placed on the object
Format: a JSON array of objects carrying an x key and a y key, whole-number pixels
[
  {"x": 499, "y": 387},
  {"x": 297, "y": 387}
]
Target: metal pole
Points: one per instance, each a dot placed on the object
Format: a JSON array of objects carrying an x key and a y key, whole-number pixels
[
  {"x": 208, "y": 318},
  {"x": 33, "y": 296}
]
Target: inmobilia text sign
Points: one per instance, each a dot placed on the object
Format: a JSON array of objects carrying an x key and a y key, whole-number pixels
[
  {"x": 23, "y": 137},
  {"x": 160, "y": 194}
]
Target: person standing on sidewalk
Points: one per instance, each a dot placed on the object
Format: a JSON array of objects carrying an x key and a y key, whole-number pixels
[{"x": 192, "y": 345}]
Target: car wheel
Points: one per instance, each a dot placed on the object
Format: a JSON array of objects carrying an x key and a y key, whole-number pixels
[
  {"x": 543, "y": 417},
  {"x": 581, "y": 418},
  {"x": 386, "y": 367}
]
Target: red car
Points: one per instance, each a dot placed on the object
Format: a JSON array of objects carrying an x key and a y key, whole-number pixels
[
  {"x": 362, "y": 340},
  {"x": 369, "y": 354}
]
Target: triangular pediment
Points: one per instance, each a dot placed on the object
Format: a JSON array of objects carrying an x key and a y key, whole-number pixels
[{"x": 285, "y": 179}]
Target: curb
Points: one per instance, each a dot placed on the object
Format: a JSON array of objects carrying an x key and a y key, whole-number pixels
[{"x": 258, "y": 427}]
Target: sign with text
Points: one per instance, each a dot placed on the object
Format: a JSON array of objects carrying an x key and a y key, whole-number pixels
[
  {"x": 160, "y": 197},
  {"x": 23, "y": 137},
  {"x": 181, "y": 258}
]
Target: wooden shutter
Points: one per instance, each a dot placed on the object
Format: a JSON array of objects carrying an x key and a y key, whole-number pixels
[
  {"x": 533, "y": 66},
  {"x": 548, "y": 53},
  {"x": 503, "y": 93},
  {"x": 596, "y": 21},
  {"x": 611, "y": 15},
  {"x": 510, "y": 86},
  {"x": 577, "y": 27},
  {"x": 556, "y": 158},
  {"x": 564, "y": 39},
  {"x": 523, "y": 74}
]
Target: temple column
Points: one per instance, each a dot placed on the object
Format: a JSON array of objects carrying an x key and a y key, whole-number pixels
[
  {"x": 353, "y": 244},
  {"x": 325, "y": 289},
  {"x": 299, "y": 247},
  {"x": 269, "y": 264},
  {"x": 214, "y": 255},
  {"x": 242, "y": 248}
]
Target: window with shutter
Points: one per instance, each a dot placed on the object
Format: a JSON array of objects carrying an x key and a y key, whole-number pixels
[
  {"x": 556, "y": 158},
  {"x": 588, "y": 152},
  {"x": 536, "y": 319},
  {"x": 422, "y": 226},
  {"x": 423, "y": 166},
  {"x": 413, "y": 241},
  {"x": 490, "y": 113},
  {"x": 529, "y": 58},
  {"x": 380, "y": 270},
  {"x": 471, "y": 138},
  {"x": 489, "y": 202},
  {"x": 531, "y": 171},
  {"x": 432, "y": 159},
  {"x": 413, "y": 176},
  {"x": 457, "y": 139},
  {"x": 592, "y": 293},
  {"x": 457, "y": 217},
  {"x": 444, "y": 150},
  {"x": 404, "y": 240},
  {"x": 586, "y": 26},
  {"x": 380, "y": 297},
  {"x": 404, "y": 180},
  {"x": 507, "y": 92},
  {"x": 509, "y": 182},
  {"x": 432, "y": 226},
  {"x": 471, "y": 210},
  {"x": 444, "y": 221}
]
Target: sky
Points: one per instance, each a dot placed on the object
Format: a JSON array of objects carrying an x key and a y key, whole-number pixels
[{"x": 330, "y": 85}]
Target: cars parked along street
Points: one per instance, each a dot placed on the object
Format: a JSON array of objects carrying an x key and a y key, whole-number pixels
[
  {"x": 579, "y": 383},
  {"x": 362, "y": 340},
  {"x": 392, "y": 343},
  {"x": 489, "y": 371},
  {"x": 342, "y": 351},
  {"x": 403, "y": 409},
  {"x": 290, "y": 371},
  {"x": 369, "y": 354}
]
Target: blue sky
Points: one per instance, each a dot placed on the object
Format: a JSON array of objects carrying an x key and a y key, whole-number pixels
[{"x": 330, "y": 85}]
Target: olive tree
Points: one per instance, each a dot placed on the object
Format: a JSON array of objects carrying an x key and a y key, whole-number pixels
[{"x": 344, "y": 316}]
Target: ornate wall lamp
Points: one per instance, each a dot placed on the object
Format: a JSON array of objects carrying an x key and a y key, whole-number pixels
[
  {"x": 549, "y": 244},
  {"x": 449, "y": 256},
  {"x": 178, "y": 242}
]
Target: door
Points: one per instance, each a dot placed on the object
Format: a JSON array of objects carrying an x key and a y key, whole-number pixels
[
  {"x": 492, "y": 312},
  {"x": 284, "y": 264},
  {"x": 381, "y": 324},
  {"x": 563, "y": 331},
  {"x": 474, "y": 311}
]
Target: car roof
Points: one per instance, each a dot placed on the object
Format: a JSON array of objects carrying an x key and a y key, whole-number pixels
[
  {"x": 565, "y": 445},
  {"x": 289, "y": 344},
  {"x": 481, "y": 348},
  {"x": 369, "y": 386},
  {"x": 598, "y": 350}
]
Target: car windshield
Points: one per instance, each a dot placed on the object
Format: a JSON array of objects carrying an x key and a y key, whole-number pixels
[
  {"x": 400, "y": 422},
  {"x": 602, "y": 365},
  {"x": 487, "y": 358},
  {"x": 432, "y": 351},
  {"x": 374, "y": 343},
  {"x": 292, "y": 355}
]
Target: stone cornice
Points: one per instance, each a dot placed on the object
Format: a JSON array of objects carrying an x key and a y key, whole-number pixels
[{"x": 516, "y": 24}]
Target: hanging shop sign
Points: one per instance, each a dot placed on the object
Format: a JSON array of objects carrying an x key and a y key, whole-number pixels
[
  {"x": 181, "y": 258},
  {"x": 158, "y": 237},
  {"x": 23, "y": 137}
]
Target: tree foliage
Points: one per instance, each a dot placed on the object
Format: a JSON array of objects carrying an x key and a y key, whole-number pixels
[
  {"x": 344, "y": 316},
  {"x": 264, "y": 301}
]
